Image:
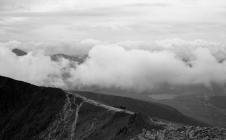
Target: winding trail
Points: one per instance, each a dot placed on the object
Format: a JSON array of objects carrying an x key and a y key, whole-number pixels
[
  {"x": 93, "y": 102},
  {"x": 73, "y": 127}
]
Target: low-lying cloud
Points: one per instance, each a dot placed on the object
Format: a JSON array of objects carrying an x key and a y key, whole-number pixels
[
  {"x": 33, "y": 68},
  {"x": 114, "y": 66},
  {"x": 135, "y": 66}
]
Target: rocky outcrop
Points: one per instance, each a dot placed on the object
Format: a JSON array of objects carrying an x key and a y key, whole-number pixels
[{"x": 183, "y": 133}]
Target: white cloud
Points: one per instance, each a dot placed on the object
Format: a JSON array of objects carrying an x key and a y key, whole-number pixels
[
  {"x": 122, "y": 65},
  {"x": 57, "y": 26},
  {"x": 33, "y": 68},
  {"x": 143, "y": 70}
]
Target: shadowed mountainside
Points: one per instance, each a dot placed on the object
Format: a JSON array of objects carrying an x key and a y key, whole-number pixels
[
  {"x": 152, "y": 109},
  {"x": 29, "y": 112}
]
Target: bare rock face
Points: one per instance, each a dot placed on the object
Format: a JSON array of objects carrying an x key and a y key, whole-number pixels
[
  {"x": 183, "y": 133},
  {"x": 28, "y": 112}
]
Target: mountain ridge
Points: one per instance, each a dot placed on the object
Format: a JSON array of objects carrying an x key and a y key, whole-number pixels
[
  {"x": 29, "y": 112},
  {"x": 32, "y": 112},
  {"x": 153, "y": 109}
]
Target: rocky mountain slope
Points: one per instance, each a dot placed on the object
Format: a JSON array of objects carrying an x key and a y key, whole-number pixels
[
  {"x": 28, "y": 112},
  {"x": 31, "y": 112},
  {"x": 152, "y": 109}
]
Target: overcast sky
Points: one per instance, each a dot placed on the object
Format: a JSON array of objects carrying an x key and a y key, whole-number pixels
[
  {"x": 112, "y": 20},
  {"x": 131, "y": 44}
]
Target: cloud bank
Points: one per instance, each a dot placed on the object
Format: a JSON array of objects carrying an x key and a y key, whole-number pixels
[{"x": 136, "y": 66}]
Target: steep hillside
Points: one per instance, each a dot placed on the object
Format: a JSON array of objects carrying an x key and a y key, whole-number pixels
[
  {"x": 153, "y": 109},
  {"x": 28, "y": 112},
  {"x": 31, "y": 112}
]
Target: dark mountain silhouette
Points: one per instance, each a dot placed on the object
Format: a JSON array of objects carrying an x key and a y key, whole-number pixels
[
  {"x": 19, "y": 52},
  {"x": 29, "y": 112},
  {"x": 54, "y": 57},
  {"x": 79, "y": 59}
]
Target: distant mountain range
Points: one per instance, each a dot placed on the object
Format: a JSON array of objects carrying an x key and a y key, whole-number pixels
[
  {"x": 54, "y": 57},
  {"x": 29, "y": 112},
  {"x": 19, "y": 52},
  {"x": 57, "y": 57}
]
